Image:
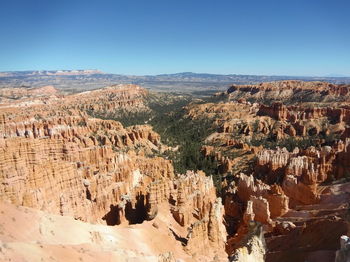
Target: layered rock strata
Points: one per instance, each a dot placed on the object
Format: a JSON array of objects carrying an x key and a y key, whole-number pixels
[{"x": 291, "y": 91}]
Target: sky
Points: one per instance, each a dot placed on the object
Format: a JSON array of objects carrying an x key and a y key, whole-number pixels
[{"x": 265, "y": 37}]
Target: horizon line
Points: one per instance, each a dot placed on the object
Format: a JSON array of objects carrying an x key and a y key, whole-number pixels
[{"x": 184, "y": 72}]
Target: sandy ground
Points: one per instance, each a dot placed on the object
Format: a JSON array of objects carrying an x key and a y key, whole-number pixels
[{"x": 30, "y": 235}]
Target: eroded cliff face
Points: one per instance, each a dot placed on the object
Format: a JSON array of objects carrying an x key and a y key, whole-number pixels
[
  {"x": 55, "y": 158},
  {"x": 66, "y": 163},
  {"x": 110, "y": 99},
  {"x": 291, "y": 91},
  {"x": 308, "y": 121}
]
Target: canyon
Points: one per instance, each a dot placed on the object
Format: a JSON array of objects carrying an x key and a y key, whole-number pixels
[{"x": 257, "y": 173}]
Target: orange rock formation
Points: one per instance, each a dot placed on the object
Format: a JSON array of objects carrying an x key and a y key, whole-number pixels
[{"x": 57, "y": 159}]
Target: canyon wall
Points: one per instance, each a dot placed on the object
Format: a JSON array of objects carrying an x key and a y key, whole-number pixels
[{"x": 291, "y": 91}]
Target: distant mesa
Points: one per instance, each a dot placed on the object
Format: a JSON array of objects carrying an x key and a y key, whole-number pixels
[
  {"x": 71, "y": 72},
  {"x": 51, "y": 73}
]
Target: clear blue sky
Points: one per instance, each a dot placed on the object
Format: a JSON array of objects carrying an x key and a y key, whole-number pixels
[{"x": 281, "y": 37}]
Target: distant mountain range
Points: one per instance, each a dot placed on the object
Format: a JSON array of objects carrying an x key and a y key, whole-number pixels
[{"x": 77, "y": 80}]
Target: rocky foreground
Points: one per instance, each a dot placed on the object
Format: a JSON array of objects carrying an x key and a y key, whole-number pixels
[{"x": 283, "y": 169}]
